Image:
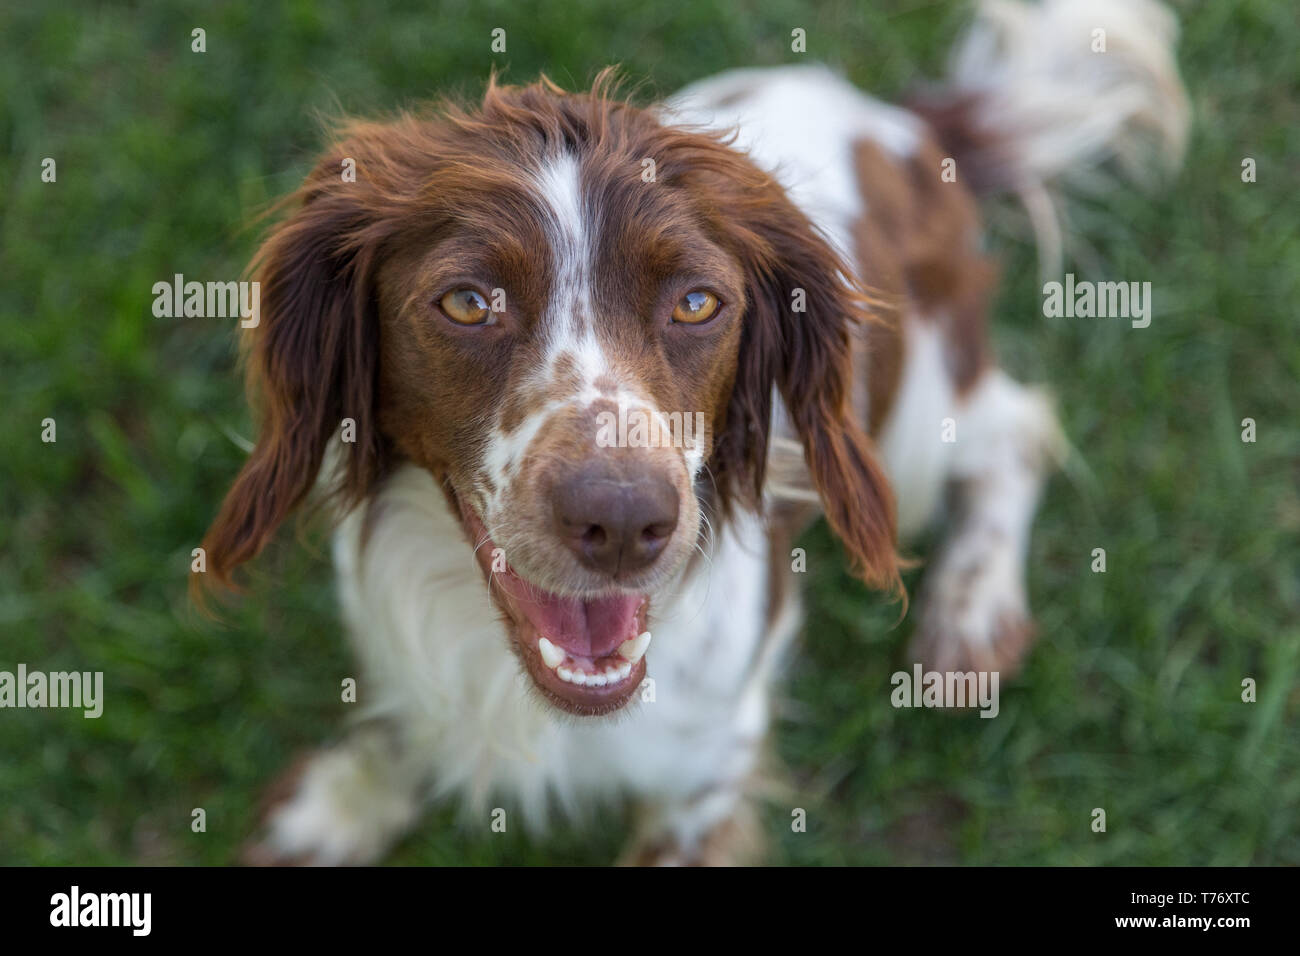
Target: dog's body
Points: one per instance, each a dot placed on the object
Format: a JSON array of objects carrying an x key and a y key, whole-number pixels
[{"x": 446, "y": 707}]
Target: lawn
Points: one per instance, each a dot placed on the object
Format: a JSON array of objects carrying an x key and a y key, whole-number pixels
[{"x": 1131, "y": 700}]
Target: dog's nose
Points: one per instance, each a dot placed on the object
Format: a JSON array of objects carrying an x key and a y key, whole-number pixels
[{"x": 613, "y": 521}]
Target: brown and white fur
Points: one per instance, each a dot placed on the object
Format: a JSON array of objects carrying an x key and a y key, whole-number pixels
[{"x": 472, "y": 439}]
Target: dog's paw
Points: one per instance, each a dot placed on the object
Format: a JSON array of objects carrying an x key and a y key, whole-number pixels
[
  {"x": 974, "y": 617},
  {"x": 951, "y": 647},
  {"x": 330, "y": 808},
  {"x": 667, "y": 853},
  {"x": 735, "y": 840}
]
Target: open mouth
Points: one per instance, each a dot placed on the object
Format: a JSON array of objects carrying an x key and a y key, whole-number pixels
[{"x": 585, "y": 654}]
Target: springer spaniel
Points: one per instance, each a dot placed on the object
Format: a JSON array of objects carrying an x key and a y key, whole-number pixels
[{"x": 598, "y": 365}]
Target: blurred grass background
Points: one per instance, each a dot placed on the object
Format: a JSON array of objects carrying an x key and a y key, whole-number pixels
[{"x": 1131, "y": 700}]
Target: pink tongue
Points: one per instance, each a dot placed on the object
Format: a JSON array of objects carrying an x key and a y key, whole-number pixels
[{"x": 593, "y": 628}]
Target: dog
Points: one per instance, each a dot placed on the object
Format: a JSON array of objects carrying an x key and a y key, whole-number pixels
[{"x": 573, "y": 374}]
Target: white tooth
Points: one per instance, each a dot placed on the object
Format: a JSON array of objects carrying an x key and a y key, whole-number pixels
[
  {"x": 625, "y": 671},
  {"x": 611, "y": 675},
  {"x": 634, "y": 649},
  {"x": 552, "y": 656},
  {"x": 596, "y": 680},
  {"x": 565, "y": 674}
]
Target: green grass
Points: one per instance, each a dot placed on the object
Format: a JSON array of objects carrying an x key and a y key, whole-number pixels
[{"x": 1131, "y": 700}]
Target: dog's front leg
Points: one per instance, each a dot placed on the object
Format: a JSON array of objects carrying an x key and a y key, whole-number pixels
[
  {"x": 719, "y": 827},
  {"x": 344, "y": 805}
]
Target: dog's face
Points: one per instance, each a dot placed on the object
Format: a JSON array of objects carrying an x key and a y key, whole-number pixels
[
  {"x": 560, "y": 350},
  {"x": 574, "y": 317}
]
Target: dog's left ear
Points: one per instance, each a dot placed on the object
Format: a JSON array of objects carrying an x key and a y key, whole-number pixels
[
  {"x": 312, "y": 360},
  {"x": 799, "y": 319}
]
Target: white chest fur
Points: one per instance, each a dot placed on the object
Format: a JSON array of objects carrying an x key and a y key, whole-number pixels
[{"x": 437, "y": 659}]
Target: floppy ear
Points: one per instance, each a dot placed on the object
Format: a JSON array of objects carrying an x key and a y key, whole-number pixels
[
  {"x": 311, "y": 361},
  {"x": 796, "y": 337}
]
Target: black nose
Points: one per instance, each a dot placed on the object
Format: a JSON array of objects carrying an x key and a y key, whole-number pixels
[{"x": 613, "y": 520}]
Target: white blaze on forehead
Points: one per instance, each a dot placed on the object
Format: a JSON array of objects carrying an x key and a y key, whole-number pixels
[
  {"x": 567, "y": 321},
  {"x": 568, "y": 329},
  {"x": 570, "y": 321}
]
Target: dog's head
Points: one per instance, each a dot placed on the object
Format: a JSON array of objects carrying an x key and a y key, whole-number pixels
[{"x": 573, "y": 316}]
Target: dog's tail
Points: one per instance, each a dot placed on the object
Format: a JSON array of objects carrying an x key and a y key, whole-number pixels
[{"x": 1044, "y": 95}]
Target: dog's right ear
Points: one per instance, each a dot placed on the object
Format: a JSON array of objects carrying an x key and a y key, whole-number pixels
[{"x": 312, "y": 358}]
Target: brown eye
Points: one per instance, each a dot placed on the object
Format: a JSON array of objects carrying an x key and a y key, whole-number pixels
[
  {"x": 696, "y": 306},
  {"x": 466, "y": 307}
]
